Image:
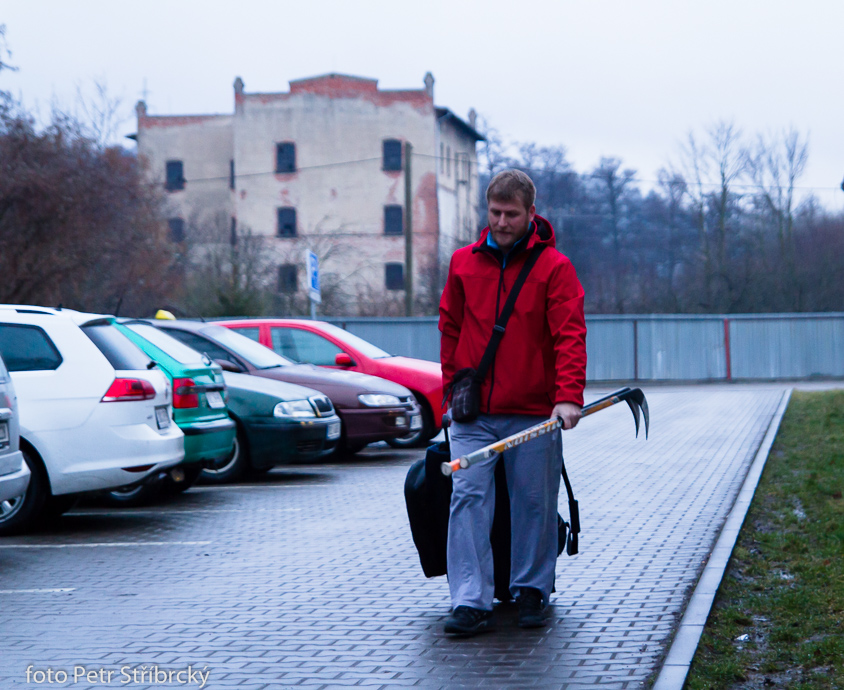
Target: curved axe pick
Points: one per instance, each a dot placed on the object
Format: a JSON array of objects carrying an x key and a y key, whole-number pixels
[{"x": 635, "y": 399}]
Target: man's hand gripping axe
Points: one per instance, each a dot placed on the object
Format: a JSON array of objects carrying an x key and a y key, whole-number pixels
[{"x": 634, "y": 397}]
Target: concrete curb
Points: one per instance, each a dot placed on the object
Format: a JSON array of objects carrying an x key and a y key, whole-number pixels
[{"x": 673, "y": 674}]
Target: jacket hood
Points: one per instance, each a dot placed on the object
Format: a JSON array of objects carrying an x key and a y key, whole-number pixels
[{"x": 540, "y": 232}]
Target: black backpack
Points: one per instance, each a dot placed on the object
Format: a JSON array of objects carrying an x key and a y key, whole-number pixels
[{"x": 427, "y": 493}]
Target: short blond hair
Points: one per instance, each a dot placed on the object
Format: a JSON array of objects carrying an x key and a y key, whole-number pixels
[{"x": 510, "y": 184}]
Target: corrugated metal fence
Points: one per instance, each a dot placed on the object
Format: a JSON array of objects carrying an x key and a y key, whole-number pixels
[{"x": 668, "y": 347}]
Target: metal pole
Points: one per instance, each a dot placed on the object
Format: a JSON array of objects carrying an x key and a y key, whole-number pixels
[
  {"x": 727, "y": 353},
  {"x": 408, "y": 232}
]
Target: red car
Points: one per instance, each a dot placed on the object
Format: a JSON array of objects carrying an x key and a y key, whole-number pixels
[{"x": 327, "y": 345}]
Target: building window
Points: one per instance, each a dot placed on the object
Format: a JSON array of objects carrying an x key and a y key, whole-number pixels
[
  {"x": 394, "y": 276},
  {"x": 442, "y": 158},
  {"x": 285, "y": 157},
  {"x": 231, "y": 174},
  {"x": 233, "y": 232},
  {"x": 392, "y": 154},
  {"x": 287, "y": 222},
  {"x": 393, "y": 220},
  {"x": 461, "y": 167},
  {"x": 288, "y": 279},
  {"x": 448, "y": 161},
  {"x": 175, "y": 176},
  {"x": 177, "y": 229}
]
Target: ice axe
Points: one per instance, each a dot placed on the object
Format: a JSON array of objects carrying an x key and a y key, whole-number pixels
[{"x": 634, "y": 397}]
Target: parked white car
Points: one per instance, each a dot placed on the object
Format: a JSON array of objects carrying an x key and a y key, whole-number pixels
[
  {"x": 95, "y": 412},
  {"x": 14, "y": 473}
]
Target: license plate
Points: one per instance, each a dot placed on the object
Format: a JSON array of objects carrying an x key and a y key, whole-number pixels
[
  {"x": 416, "y": 422},
  {"x": 333, "y": 432},
  {"x": 4, "y": 433},
  {"x": 162, "y": 417},
  {"x": 215, "y": 400}
]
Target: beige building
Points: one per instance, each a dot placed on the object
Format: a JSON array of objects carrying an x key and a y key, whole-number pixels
[{"x": 321, "y": 167}]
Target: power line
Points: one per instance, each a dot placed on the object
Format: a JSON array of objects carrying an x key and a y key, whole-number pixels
[{"x": 477, "y": 166}]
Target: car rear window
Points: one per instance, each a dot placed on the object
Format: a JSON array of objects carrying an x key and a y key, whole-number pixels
[
  {"x": 259, "y": 356},
  {"x": 27, "y": 348},
  {"x": 166, "y": 343},
  {"x": 304, "y": 346},
  {"x": 120, "y": 352},
  {"x": 361, "y": 345},
  {"x": 251, "y": 332},
  {"x": 203, "y": 345}
]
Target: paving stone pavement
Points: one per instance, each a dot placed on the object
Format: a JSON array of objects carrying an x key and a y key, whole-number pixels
[{"x": 308, "y": 577}]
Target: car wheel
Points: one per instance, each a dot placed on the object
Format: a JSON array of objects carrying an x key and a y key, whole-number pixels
[
  {"x": 22, "y": 513},
  {"x": 344, "y": 448},
  {"x": 232, "y": 467},
  {"x": 56, "y": 506},
  {"x": 129, "y": 497},
  {"x": 419, "y": 437},
  {"x": 191, "y": 473}
]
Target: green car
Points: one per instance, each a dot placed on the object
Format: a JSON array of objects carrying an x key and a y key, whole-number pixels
[
  {"x": 278, "y": 423},
  {"x": 199, "y": 409}
]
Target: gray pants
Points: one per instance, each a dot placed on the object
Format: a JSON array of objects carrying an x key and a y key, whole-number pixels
[{"x": 533, "y": 482}]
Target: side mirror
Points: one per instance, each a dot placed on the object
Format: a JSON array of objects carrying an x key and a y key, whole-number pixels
[
  {"x": 226, "y": 365},
  {"x": 341, "y": 359}
]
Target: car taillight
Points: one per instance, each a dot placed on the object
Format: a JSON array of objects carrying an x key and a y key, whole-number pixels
[
  {"x": 122, "y": 390},
  {"x": 184, "y": 394}
]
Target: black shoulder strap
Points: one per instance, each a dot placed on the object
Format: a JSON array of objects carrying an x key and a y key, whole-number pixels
[
  {"x": 574, "y": 516},
  {"x": 504, "y": 316}
]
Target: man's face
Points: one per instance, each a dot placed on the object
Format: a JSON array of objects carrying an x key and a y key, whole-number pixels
[{"x": 509, "y": 221}]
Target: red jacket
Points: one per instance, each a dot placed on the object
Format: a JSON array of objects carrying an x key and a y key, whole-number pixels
[{"x": 541, "y": 360}]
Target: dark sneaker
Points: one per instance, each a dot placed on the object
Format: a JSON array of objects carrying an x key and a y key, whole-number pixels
[
  {"x": 467, "y": 621},
  {"x": 531, "y": 608}
]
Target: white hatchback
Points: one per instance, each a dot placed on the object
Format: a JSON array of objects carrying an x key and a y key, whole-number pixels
[{"x": 95, "y": 413}]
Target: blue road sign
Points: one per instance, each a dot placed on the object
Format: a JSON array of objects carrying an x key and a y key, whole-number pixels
[{"x": 313, "y": 278}]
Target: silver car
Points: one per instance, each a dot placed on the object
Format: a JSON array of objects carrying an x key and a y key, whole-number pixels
[{"x": 14, "y": 472}]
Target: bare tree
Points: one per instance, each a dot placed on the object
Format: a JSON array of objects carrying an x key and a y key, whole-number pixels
[
  {"x": 712, "y": 169},
  {"x": 493, "y": 157},
  {"x": 225, "y": 274},
  {"x": 614, "y": 185},
  {"x": 330, "y": 251},
  {"x": 100, "y": 113},
  {"x": 5, "y": 53},
  {"x": 775, "y": 163},
  {"x": 669, "y": 238}
]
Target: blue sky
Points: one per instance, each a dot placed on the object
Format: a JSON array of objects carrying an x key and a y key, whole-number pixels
[{"x": 601, "y": 77}]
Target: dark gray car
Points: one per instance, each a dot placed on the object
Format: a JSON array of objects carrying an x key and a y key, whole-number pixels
[{"x": 14, "y": 472}]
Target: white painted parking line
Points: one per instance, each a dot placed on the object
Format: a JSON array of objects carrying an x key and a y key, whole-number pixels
[
  {"x": 37, "y": 591},
  {"x": 235, "y": 487},
  {"x": 113, "y": 543},
  {"x": 164, "y": 511}
]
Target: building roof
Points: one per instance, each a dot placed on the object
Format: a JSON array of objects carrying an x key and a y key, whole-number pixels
[
  {"x": 444, "y": 114},
  {"x": 334, "y": 80}
]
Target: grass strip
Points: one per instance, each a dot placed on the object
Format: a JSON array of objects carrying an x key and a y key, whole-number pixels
[{"x": 778, "y": 618}]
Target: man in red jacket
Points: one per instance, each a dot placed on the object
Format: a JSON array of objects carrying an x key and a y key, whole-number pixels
[{"x": 539, "y": 372}]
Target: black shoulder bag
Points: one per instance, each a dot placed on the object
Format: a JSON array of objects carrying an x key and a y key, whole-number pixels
[{"x": 466, "y": 384}]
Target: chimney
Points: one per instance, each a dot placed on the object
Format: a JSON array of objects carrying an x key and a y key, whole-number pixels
[
  {"x": 238, "y": 95},
  {"x": 429, "y": 85},
  {"x": 141, "y": 109},
  {"x": 473, "y": 117}
]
